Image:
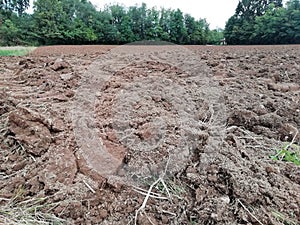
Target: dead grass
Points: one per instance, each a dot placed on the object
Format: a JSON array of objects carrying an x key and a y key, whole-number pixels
[{"x": 26, "y": 211}]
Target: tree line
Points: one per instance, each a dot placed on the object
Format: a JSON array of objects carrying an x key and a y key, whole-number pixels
[
  {"x": 264, "y": 22},
  {"x": 79, "y": 22}
]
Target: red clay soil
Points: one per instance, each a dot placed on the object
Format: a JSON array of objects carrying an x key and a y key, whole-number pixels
[{"x": 221, "y": 131}]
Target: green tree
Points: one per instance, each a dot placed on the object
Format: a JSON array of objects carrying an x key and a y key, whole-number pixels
[
  {"x": 164, "y": 24},
  {"x": 121, "y": 24},
  {"x": 240, "y": 27},
  {"x": 50, "y": 21},
  {"x": 18, "y": 30},
  {"x": 249, "y": 9},
  {"x": 270, "y": 28},
  {"x": 66, "y": 21},
  {"x": 178, "y": 33},
  {"x": 9, "y": 33},
  {"x": 293, "y": 21},
  {"x": 215, "y": 36},
  {"x": 202, "y": 32},
  {"x": 152, "y": 27},
  {"x": 78, "y": 22},
  {"x": 278, "y": 25},
  {"x": 138, "y": 16},
  {"x": 18, "y": 6},
  {"x": 81, "y": 21},
  {"x": 190, "y": 26}
]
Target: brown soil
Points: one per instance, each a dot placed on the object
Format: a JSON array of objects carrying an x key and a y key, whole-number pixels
[{"x": 203, "y": 119}]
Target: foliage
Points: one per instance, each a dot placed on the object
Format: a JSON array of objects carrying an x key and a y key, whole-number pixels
[
  {"x": 78, "y": 22},
  {"x": 264, "y": 22},
  {"x": 289, "y": 153},
  {"x": 215, "y": 36},
  {"x": 18, "y": 6},
  {"x": 9, "y": 33}
]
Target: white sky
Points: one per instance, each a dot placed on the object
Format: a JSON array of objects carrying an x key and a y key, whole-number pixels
[{"x": 216, "y": 12}]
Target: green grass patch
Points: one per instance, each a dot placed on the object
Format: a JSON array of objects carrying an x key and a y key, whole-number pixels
[
  {"x": 15, "y": 51},
  {"x": 288, "y": 153}
]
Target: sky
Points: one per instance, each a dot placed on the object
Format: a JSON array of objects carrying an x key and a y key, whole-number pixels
[{"x": 216, "y": 12}]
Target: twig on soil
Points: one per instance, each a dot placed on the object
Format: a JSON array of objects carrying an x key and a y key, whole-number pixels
[
  {"x": 148, "y": 195},
  {"x": 170, "y": 213},
  {"x": 32, "y": 157},
  {"x": 89, "y": 187},
  {"x": 145, "y": 191},
  {"x": 4, "y": 176},
  {"x": 248, "y": 211},
  {"x": 162, "y": 181},
  {"x": 143, "y": 206},
  {"x": 152, "y": 196}
]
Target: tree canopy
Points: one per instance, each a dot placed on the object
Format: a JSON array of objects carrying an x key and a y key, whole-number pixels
[
  {"x": 79, "y": 22},
  {"x": 264, "y": 22},
  {"x": 18, "y": 6}
]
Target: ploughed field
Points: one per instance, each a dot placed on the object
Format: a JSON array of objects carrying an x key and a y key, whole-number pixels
[{"x": 150, "y": 135}]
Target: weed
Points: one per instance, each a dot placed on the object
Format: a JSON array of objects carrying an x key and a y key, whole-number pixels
[{"x": 289, "y": 153}]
